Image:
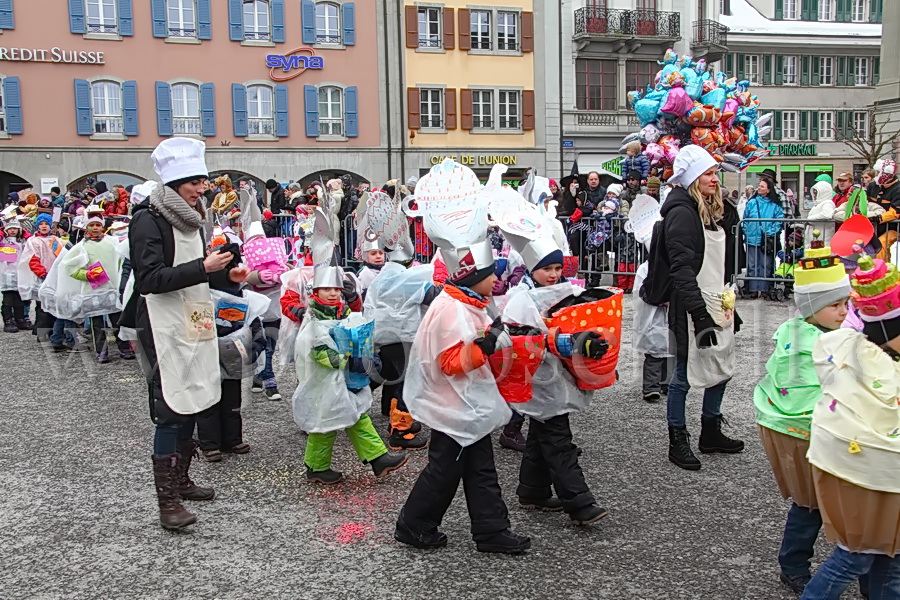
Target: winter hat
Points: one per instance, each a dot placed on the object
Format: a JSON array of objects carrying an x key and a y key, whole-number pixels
[
  {"x": 141, "y": 192},
  {"x": 876, "y": 287},
  {"x": 180, "y": 159},
  {"x": 824, "y": 177},
  {"x": 823, "y": 191},
  {"x": 95, "y": 219},
  {"x": 692, "y": 162},
  {"x": 887, "y": 172},
  {"x": 271, "y": 184},
  {"x": 653, "y": 183},
  {"x": 553, "y": 182},
  {"x": 820, "y": 279},
  {"x": 412, "y": 181},
  {"x": 43, "y": 218},
  {"x": 268, "y": 215},
  {"x": 554, "y": 258},
  {"x": 615, "y": 189},
  {"x": 101, "y": 187}
]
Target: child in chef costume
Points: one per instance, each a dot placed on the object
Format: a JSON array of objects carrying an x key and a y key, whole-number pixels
[
  {"x": 854, "y": 447},
  {"x": 334, "y": 393},
  {"x": 787, "y": 395},
  {"x": 11, "y": 242},
  {"x": 38, "y": 255},
  {"x": 449, "y": 385}
]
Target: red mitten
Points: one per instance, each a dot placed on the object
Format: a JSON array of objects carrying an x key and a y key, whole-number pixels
[{"x": 576, "y": 216}]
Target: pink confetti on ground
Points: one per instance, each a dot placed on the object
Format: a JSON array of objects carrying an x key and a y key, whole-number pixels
[{"x": 351, "y": 532}]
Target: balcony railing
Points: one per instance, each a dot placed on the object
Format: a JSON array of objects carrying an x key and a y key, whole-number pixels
[
  {"x": 590, "y": 120},
  {"x": 178, "y": 32},
  {"x": 595, "y": 20},
  {"x": 186, "y": 125},
  {"x": 710, "y": 32},
  {"x": 108, "y": 124},
  {"x": 102, "y": 28}
]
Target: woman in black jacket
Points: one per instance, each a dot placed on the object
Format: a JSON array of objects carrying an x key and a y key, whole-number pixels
[
  {"x": 688, "y": 269},
  {"x": 171, "y": 309}
]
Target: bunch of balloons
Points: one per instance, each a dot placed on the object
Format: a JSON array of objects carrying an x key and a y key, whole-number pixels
[{"x": 689, "y": 105}]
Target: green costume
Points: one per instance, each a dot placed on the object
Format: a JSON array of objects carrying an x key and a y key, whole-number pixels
[{"x": 787, "y": 395}]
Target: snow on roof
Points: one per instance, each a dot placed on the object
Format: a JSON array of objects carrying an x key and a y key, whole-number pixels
[{"x": 744, "y": 18}]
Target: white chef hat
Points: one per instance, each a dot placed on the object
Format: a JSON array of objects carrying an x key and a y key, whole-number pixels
[
  {"x": 692, "y": 162},
  {"x": 180, "y": 159}
]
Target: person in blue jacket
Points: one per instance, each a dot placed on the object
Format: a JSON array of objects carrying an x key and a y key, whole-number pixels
[{"x": 762, "y": 235}]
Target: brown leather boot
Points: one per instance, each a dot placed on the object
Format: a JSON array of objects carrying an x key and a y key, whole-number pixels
[
  {"x": 187, "y": 450},
  {"x": 172, "y": 514}
]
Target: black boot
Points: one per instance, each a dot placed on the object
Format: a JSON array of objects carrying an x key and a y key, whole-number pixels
[
  {"x": 680, "y": 449},
  {"x": 505, "y": 542},
  {"x": 511, "y": 437},
  {"x": 189, "y": 490},
  {"x": 543, "y": 504},
  {"x": 425, "y": 541},
  {"x": 328, "y": 476},
  {"x": 18, "y": 314},
  {"x": 388, "y": 462},
  {"x": 588, "y": 514},
  {"x": 713, "y": 440},
  {"x": 9, "y": 326},
  {"x": 172, "y": 514}
]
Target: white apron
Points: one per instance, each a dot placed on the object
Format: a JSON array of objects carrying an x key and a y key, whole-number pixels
[
  {"x": 707, "y": 367},
  {"x": 188, "y": 355}
]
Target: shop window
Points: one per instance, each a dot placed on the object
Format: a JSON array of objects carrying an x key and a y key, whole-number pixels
[
  {"x": 861, "y": 71},
  {"x": 481, "y": 29},
  {"x": 331, "y": 112},
  {"x": 596, "y": 82},
  {"x": 328, "y": 23},
  {"x": 826, "y": 10},
  {"x": 431, "y": 108},
  {"x": 509, "y": 110},
  {"x": 430, "y": 27},
  {"x": 826, "y": 70},
  {"x": 789, "y": 125},
  {"x": 861, "y": 124},
  {"x": 482, "y": 109},
  {"x": 826, "y": 125},
  {"x": 789, "y": 72},
  {"x": 859, "y": 11}
]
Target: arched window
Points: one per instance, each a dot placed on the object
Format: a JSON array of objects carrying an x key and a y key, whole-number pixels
[
  {"x": 256, "y": 20},
  {"x": 106, "y": 106},
  {"x": 260, "y": 116},
  {"x": 186, "y": 109},
  {"x": 328, "y": 23},
  {"x": 331, "y": 111}
]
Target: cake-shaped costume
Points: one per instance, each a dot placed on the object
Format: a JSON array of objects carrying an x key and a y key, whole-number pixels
[{"x": 820, "y": 278}]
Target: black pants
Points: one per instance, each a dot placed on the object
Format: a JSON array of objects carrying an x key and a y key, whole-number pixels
[
  {"x": 98, "y": 333},
  {"x": 43, "y": 322},
  {"x": 656, "y": 373},
  {"x": 448, "y": 463},
  {"x": 393, "y": 371},
  {"x": 220, "y": 426},
  {"x": 551, "y": 458},
  {"x": 13, "y": 307}
]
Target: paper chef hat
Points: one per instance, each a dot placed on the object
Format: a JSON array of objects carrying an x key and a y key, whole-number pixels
[
  {"x": 455, "y": 217},
  {"x": 176, "y": 159},
  {"x": 141, "y": 192},
  {"x": 328, "y": 273}
]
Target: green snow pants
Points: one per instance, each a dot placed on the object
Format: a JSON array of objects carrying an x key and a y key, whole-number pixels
[{"x": 362, "y": 434}]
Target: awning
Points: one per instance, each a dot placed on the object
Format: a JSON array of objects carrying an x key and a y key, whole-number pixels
[{"x": 605, "y": 164}]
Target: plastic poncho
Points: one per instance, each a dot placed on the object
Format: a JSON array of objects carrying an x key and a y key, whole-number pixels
[
  {"x": 296, "y": 280},
  {"x": 856, "y": 424},
  {"x": 465, "y": 407},
  {"x": 554, "y": 389},
  {"x": 10, "y": 253},
  {"x": 80, "y": 299},
  {"x": 46, "y": 248},
  {"x": 787, "y": 395},
  {"x": 322, "y": 402},
  {"x": 394, "y": 301},
  {"x": 651, "y": 323},
  {"x": 235, "y": 348}
]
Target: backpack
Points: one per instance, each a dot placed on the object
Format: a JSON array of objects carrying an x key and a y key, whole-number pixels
[{"x": 657, "y": 289}]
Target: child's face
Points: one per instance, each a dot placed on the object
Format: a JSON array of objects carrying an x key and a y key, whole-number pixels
[
  {"x": 94, "y": 229},
  {"x": 44, "y": 228},
  {"x": 485, "y": 287},
  {"x": 12, "y": 231},
  {"x": 375, "y": 257},
  {"x": 549, "y": 275},
  {"x": 831, "y": 316},
  {"x": 329, "y": 295}
]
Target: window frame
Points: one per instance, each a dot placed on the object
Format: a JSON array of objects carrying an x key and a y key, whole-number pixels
[
  {"x": 794, "y": 8},
  {"x": 857, "y": 62},
  {"x": 493, "y": 13},
  {"x": 793, "y": 60},
  {"x": 831, "y": 122},
  {"x": 757, "y": 79},
  {"x": 829, "y": 60},
  {"x": 424, "y": 115},
  {"x": 518, "y": 105},
  {"x": 197, "y": 120},
  {"x": 490, "y": 30},
  {"x": 478, "y": 120},
  {"x": 829, "y": 6},
  {"x": 796, "y": 125},
  {"x": 107, "y": 135},
  {"x": 439, "y": 10},
  {"x": 641, "y": 79},
  {"x": 258, "y": 120},
  {"x": 109, "y": 32},
  {"x": 864, "y": 134},
  {"x": 517, "y": 16},
  {"x": 339, "y": 35},
  {"x": 330, "y": 136},
  {"x": 587, "y": 84},
  {"x": 260, "y": 41},
  {"x": 863, "y": 5},
  {"x": 181, "y": 10}
]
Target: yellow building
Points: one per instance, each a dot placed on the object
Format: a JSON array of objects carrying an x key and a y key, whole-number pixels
[{"x": 469, "y": 73}]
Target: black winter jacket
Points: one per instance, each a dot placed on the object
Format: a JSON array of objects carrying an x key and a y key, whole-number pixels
[{"x": 277, "y": 201}]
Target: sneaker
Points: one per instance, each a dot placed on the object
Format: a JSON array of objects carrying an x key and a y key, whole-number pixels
[
  {"x": 652, "y": 397},
  {"x": 543, "y": 504},
  {"x": 424, "y": 541},
  {"x": 242, "y": 448},
  {"x": 103, "y": 358},
  {"x": 59, "y": 348},
  {"x": 272, "y": 393},
  {"x": 388, "y": 462},
  {"x": 256, "y": 387},
  {"x": 588, "y": 514},
  {"x": 212, "y": 455},
  {"x": 797, "y": 583},
  {"x": 328, "y": 477},
  {"x": 505, "y": 542}
]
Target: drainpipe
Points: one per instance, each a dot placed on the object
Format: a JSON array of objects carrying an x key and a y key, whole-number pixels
[
  {"x": 562, "y": 169},
  {"x": 387, "y": 92},
  {"x": 401, "y": 95}
]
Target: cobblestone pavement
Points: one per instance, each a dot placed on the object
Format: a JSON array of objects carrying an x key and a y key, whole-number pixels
[{"x": 78, "y": 516}]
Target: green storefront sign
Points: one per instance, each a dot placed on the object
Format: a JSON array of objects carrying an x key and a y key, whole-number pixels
[
  {"x": 792, "y": 149},
  {"x": 614, "y": 166}
]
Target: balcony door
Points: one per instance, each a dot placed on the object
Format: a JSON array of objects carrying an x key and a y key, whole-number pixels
[
  {"x": 645, "y": 20},
  {"x": 597, "y": 18}
]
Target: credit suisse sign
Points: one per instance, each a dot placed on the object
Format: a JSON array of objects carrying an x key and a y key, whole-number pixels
[{"x": 52, "y": 55}]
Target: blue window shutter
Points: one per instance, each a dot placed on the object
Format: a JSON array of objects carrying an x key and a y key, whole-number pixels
[
  {"x": 83, "y": 121},
  {"x": 158, "y": 16},
  {"x": 308, "y": 16},
  {"x": 277, "y": 20},
  {"x": 77, "y": 23},
  {"x": 239, "y": 109},
  {"x": 348, "y": 21},
  {"x": 12, "y": 97},
  {"x": 130, "y": 107},
  {"x": 163, "y": 109},
  {"x": 7, "y": 18},
  {"x": 126, "y": 18},
  {"x": 204, "y": 20},
  {"x": 311, "y": 101},
  {"x": 208, "y": 109},
  {"x": 236, "y": 20},
  {"x": 282, "y": 113},
  {"x": 351, "y": 111}
]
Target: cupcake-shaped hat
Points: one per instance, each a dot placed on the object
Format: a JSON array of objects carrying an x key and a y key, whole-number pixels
[
  {"x": 820, "y": 279},
  {"x": 876, "y": 294}
]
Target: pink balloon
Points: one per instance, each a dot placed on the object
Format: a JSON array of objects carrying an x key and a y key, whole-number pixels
[
  {"x": 678, "y": 102},
  {"x": 731, "y": 106}
]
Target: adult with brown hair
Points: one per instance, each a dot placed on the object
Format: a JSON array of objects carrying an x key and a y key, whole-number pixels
[{"x": 688, "y": 270}]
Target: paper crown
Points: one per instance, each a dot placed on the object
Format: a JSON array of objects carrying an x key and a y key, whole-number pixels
[
  {"x": 328, "y": 273},
  {"x": 876, "y": 289},
  {"x": 819, "y": 265},
  {"x": 382, "y": 225}
]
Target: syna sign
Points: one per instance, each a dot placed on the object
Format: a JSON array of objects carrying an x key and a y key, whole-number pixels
[{"x": 286, "y": 67}]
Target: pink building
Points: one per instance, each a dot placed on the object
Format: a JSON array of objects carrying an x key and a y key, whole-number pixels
[{"x": 282, "y": 89}]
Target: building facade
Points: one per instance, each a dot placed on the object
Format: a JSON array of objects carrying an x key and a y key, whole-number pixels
[
  {"x": 469, "y": 72},
  {"x": 887, "y": 91},
  {"x": 282, "y": 89},
  {"x": 607, "y": 48},
  {"x": 814, "y": 65}
]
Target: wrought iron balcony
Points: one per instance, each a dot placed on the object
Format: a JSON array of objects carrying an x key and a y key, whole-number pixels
[
  {"x": 710, "y": 40},
  {"x": 593, "y": 21}
]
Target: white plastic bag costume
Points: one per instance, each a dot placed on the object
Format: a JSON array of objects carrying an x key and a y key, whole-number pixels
[
  {"x": 77, "y": 299},
  {"x": 651, "y": 323},
  {"x": 235, "y": 348},
  {"x": 47, "y": 249},
  {"x": 297, "y": 280},
  {"x": 394, "y": 301},
  {"x": 11, "y": 254}
]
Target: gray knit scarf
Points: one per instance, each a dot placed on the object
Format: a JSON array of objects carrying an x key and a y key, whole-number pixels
[{"x": 176, "y": 210}]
